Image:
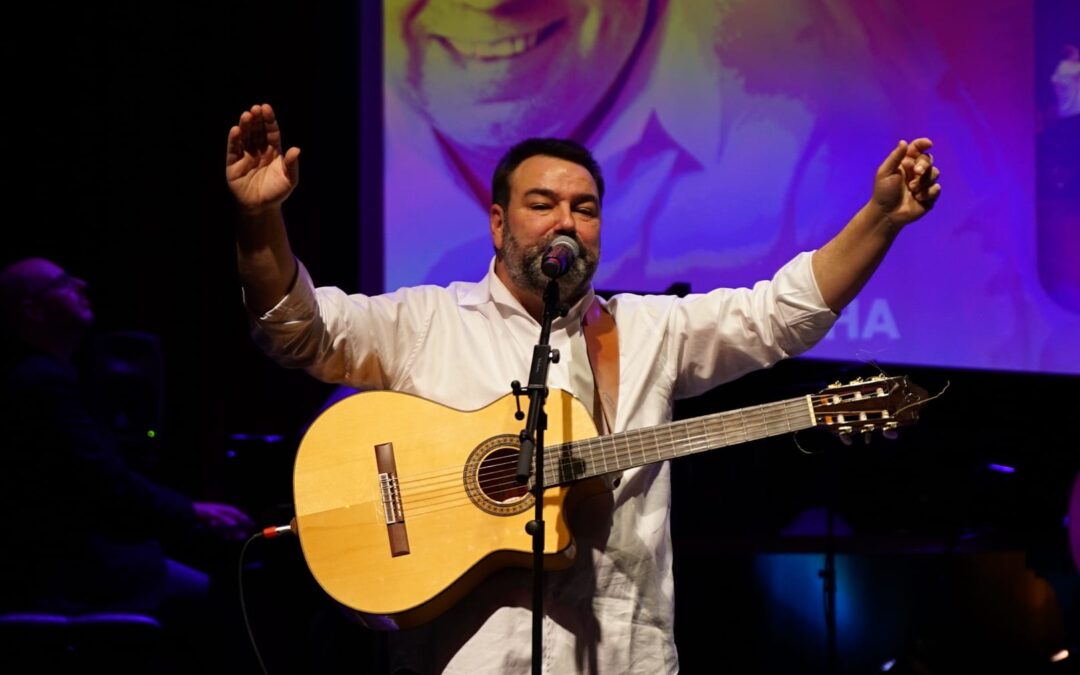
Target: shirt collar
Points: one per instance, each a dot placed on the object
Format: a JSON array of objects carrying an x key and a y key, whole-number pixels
[
  {"x": 492, "y": 289},
  {"x": 677, "y": 83}
]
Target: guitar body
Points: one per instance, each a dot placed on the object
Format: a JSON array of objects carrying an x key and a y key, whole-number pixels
[
  {"x": 404, "y": 505},
  {"x": 399, "y": 541}
]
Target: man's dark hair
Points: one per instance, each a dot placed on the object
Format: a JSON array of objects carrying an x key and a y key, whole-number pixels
[{"x": 560, "y": 148}]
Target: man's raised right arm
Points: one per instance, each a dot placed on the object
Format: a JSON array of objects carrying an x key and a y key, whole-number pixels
[{"x": 261, "y": 175}]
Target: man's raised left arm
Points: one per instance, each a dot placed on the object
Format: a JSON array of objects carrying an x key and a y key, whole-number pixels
[{"x": 905, "y": 189}]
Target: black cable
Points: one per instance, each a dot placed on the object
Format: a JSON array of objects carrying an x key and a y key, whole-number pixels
[
  {"x": 266, "y": 533},
  {"x": 243, "y": 604}
]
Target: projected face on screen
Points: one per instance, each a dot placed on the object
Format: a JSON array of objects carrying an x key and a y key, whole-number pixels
[
  {"x": 735, "y": 134},
  {"x": 488, "y": 74}
]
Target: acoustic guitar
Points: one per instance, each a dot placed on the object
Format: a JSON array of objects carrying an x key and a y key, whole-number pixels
[{"x": 404, "y": 505}]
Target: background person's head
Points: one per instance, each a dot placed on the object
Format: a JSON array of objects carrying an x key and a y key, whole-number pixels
[
  {"x": 43, "y": 306},
  {"x": 489, "y": 72}
]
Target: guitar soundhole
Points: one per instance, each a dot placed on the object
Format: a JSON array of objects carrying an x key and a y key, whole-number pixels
[
  {"x": 498, "y": 477},
  {"x": 490, "y": 477}
]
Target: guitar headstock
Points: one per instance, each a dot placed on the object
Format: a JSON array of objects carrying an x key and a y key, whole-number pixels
[{"x": 863, "y": 406}]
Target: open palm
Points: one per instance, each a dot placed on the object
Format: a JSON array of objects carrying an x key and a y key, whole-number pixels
[{"x": 259, "y": 173}]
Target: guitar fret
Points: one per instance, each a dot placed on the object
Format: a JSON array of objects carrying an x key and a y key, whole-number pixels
[{"x": 624, "y": 450}]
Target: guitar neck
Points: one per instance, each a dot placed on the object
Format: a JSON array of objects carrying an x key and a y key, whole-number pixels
[{"x": 569, "y": 462}]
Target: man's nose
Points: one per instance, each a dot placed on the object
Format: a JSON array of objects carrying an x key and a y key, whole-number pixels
[{"x": 567, "y": 223}]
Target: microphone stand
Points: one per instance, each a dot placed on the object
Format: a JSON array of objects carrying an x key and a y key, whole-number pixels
[
  {"x": 828, "y": 572},
  {"x": 532, "y": 443}
]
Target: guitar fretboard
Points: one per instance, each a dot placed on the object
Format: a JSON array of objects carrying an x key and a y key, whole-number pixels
[{"x": 574, "y": 461}]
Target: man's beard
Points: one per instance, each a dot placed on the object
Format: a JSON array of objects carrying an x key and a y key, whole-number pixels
[{"x": 523, "y": 263}]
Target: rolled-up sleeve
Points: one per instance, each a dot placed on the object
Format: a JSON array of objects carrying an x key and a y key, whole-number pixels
[
  {"x": 721, "y": 335},
  {"x": 355, "y": 339}
]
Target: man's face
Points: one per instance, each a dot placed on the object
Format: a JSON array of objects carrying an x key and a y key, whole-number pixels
[
  {"x": 56, "y": 298},
  {"x": 488, "y": 73},
  {"x": 548, "y": 197}
]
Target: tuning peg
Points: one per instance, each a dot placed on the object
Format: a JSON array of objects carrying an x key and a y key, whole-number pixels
[
  {"x": 867, "y": 433},
  {"x": 891, "y": 431},
  {"x": 844, "y": 433}
]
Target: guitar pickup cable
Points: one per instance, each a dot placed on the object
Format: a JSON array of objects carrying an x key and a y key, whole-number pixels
[{"x": 271, "y": 532}]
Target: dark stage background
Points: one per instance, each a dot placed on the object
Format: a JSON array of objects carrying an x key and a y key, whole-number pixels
[{"x": 114, "y": 120}]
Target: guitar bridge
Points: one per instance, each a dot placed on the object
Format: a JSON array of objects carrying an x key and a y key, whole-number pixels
[
  {"x": 391, "y": 498},
  {"x": 390, "y": 492}
]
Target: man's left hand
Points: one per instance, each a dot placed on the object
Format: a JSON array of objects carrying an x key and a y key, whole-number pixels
[{"x": 906, "y": 185}]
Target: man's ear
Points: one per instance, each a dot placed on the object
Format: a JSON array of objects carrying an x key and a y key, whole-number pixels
[{"x": 498, "y": 222}]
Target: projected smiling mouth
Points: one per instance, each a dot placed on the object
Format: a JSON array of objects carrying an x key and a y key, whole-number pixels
[{"x": 497, "y": 50}]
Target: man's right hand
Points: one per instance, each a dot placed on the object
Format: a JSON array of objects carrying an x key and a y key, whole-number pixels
[{"x": 259, "y": 173}]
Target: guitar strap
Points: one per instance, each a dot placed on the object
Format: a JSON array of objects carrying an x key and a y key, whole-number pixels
[{"x": 602, "y": 342}]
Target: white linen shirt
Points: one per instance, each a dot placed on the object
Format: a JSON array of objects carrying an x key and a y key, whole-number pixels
[{"x": 461, "y": 346}]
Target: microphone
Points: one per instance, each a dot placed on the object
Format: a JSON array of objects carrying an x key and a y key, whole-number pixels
[{"x": 559, "y": 256}]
